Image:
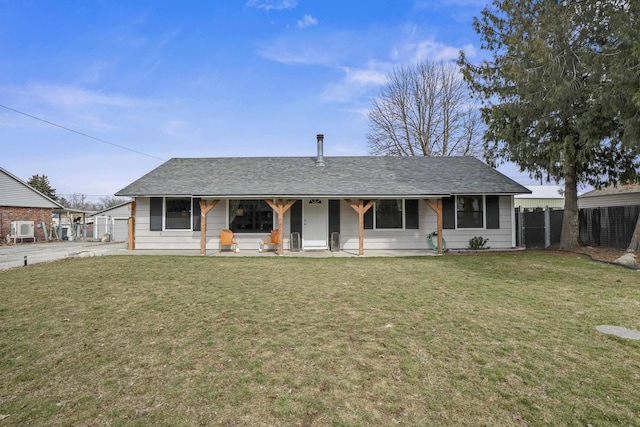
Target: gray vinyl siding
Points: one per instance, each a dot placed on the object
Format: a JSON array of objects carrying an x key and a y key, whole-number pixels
[
  {"x": 502, "y": 238},
  {"x": 622, "y": 199},
  {"x": 120, "y": 230},
  {"x": 112, "y": 221},
  {"x": 417, "y": 239},
  {"x": 217, "y": 219},
  {"x": 123, "y": 211},
  {"x": 17, "y": 194},
  {"x": 161, "y": 240},
  {"x": 384, "y": 239}
]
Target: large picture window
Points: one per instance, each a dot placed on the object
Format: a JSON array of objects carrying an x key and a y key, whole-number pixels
[
  {"x": 389, "y": 213},
  {"x": 470, "y": 211},
  {"x": 250, "y": 216},
  {"x": 177, "y": 213}
]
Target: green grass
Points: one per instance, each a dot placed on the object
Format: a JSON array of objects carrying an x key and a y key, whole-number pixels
[{"x": 492, "y": 339}]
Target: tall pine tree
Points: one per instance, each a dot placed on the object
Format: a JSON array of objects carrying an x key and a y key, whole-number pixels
[
  {"x": 553, "y": 93},
  {"x": 41, "y": 183}
]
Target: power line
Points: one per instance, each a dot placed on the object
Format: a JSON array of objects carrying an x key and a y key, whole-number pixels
[{"x": 81, "y": 133}]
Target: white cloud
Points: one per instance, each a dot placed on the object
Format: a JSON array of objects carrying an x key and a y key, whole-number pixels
[
  {"x": 307, "y": 21},
  {"x": 289, "y": 51},
  {"x": 365, "y": 58},
  {"x": 470, "y": 51},
  {"x": 330, "y": 48},
  {"x": 273, "y": 4},
  {"x": 355, "y": 83},
  {"x": 413, "y": 49},
  {"x": 366, "y": 77},
  {"x": 431, "y": 49},
  {"x": 74, "y": 97},
  {"x": 73, "y": 106}
]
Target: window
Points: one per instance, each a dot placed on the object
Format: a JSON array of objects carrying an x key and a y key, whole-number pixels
[
  {"x": 470, "y": 211},
  {"x": 177, "y": 213},
  {"x": 389, "y": 213},
  {"x": 250, "y": 216},
  {"x": 393, "y": 214}
]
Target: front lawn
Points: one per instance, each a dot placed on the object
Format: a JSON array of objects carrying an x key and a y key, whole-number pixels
[{"x": 500, "y": 339}]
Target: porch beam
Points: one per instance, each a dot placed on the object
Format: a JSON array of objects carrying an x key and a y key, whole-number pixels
[
  {"x": 360, "y": 209},
  {"x": 437, "y": 208},
  {"x": 205, "y": 207},
  {"x": 132, "y": 229},
  {"x": 280, "y": 208}
]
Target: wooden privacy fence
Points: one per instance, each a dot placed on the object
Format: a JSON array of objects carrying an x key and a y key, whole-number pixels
[
  {"x": 608, "y": 226},
  {"x": 612, "y": 226}
]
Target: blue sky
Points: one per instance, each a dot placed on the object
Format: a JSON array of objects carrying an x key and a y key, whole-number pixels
[{"x": 203, "y": 79}]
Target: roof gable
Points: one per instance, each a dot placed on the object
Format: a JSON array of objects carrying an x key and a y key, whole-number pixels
[
  {"x": 17, "y": 193},
  {"x": 119, "y": 208}
]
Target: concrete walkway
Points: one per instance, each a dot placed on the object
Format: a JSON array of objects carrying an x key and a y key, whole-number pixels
[
  {"x": 12, "y": 256},
  {"x": 619, "y": 331}
]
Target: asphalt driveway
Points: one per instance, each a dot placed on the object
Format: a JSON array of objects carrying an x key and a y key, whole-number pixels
[{"x": 12, "y": 256}]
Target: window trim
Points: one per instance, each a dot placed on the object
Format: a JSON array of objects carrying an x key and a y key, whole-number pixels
[
  {"x": 370, "y": 223},
  {"x": 483, "y": 197},
  {"x": 375, "y": 216},
  {"x": 164, "y": 214}
]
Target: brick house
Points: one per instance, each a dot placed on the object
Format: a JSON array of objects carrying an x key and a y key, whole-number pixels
[{"x": 21, "y": 202}]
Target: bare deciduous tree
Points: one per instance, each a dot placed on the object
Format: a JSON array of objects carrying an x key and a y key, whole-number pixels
[
  {"x": 425, "y": 110},
  {"x": 76, "y": 201},
  {"x": 109, "y": 201}
]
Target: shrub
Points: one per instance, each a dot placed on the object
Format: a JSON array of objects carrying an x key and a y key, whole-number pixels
[{"x": 477, "y": 242}]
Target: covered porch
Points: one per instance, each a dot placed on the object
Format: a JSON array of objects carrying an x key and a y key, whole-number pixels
[{"x": 281, "y": 206}]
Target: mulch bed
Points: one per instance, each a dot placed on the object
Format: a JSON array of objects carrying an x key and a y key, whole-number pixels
[
  {"x": 596, "y": 253},
  {"x": 603, "y": 253}
]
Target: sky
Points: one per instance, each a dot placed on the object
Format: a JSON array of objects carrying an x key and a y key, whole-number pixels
[{"x": 95, "y": 94}]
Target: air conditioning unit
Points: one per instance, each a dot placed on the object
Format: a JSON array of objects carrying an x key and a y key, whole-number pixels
[{"x": 22, "y": 229}]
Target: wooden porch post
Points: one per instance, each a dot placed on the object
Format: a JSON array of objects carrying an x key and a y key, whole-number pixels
[
  {"x": 280, "y": 208},
  {"x": 437, "y": 208},
  {"x": 205, "y": 207},
  {"x": 132, "y": 229},
  {"x": 360, "y": 209}
]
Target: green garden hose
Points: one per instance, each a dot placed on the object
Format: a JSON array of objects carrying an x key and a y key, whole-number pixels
[{"x": 435, "y": 246}]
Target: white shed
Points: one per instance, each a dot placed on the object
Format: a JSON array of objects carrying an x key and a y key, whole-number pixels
[
  {"x": 113, "y": 222},
  {"x": 551, "y": 196}
]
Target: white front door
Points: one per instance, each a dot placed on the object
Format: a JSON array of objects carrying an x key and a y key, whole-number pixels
[{"x": 315, "y": 223}]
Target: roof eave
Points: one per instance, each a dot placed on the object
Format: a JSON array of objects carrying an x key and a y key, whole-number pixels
[{"x": 322, "y": 195}]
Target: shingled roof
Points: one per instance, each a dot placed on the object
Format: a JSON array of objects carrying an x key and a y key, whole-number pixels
[
  {"x": 613, "y": 190},
  {"x": 364, "y": 177}
]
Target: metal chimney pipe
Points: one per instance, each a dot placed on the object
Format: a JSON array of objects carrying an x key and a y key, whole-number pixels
[{"x": 320, "y": 158}]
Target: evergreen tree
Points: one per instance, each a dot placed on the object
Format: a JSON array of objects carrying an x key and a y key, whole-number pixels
[
  {"x": 558, "y": 97},
  {"x": 41, "y": 183}
]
